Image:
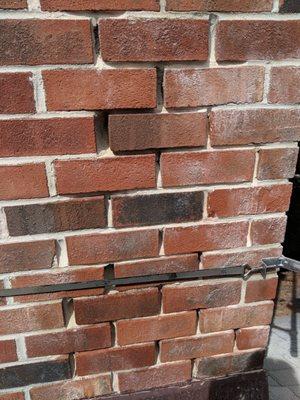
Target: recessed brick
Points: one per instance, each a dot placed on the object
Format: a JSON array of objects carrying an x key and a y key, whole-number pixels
[
  {"x": 267, "y": 231},
  {"x": 13, "y": 5},
  {"x": 252, "y": 338},
  {"x": 128, "y": 132},
  {"x": 18, "y": 89},
  {"x": 277, "y": 163},
  {"x": 284, "y": 85},
  {"x": 260, "y": 290},
  {"x": 8, "y": 351},
  {"x": 100, "y": 5},
  {"x": 220, "y": 5}
]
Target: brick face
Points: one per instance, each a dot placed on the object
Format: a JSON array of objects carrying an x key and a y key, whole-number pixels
[
  {"x": 8, "y": 351},
  {"x": 13, "y": 4},
  {"x": 277, "y": 163},
  {"x": 220, "y": 5},
  {"x": 100, "y": 5},
  {"x": 282, "y": 86},
  {"x": 19, "y": 97}
]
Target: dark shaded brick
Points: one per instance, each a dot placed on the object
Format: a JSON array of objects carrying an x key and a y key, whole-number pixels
[{"x": 289, "y": 6}]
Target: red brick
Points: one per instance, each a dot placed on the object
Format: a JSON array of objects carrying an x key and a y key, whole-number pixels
[
  {"x": 261, "y": 290},
  {"x": 77, "y": 89},
  {"x": 26, "y": 256},
  {"x": 204, "y": 167},
  {"x": 267, "y": 231},
  {"x": 235, "y": 317},
  {"x": 100, "y": 5},
  {"x": 252, "y": 338},
  {"x": 18, "y": 91},
  {"x": 190, "y": 296},
  {"x": 114, "y": 246},
  {"x": 31, "y": 318},
  {"x": 205, "y": 237},
  {"x": 248, "y": 256},
  {"x": 146, "y": 131},
  {"x": 46, "y": 136},
  {"x": 69, "y": 341},
  {"x": 75, "y": 389},
  {"x": 245, "y": 201},
  {"x": 154, "y": 266},
  {"x": 129, "y": 304},
  {"x": 162, "y": 375},
  {"x": 8, "y": 351},
  {"x": 242, "y": 40},
  {"x": 13, "y": 396},
  {"x": 32, "y": 219},
  {"x": 194, "y": 347},
  {"x": 220, "y": 5},
  {"x": 284, "y": 85},
  {"x": 154, "y": 39},
  {"x": 254, "y": 126},
  {"x": 200, "y": 87},
  {"x": 277, "y": 163},
  {"x": 106, "y": 174},
  {"x": 23, "y": 181},
  {"x": 115, "y": 359},
  {"x": 13, "y": 5},
  {"x": 142, "y": 330},
  {"x": 37, "y": 42}
]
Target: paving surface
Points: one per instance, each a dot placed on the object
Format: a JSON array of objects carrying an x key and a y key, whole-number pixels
[{"x": 283, "y": 360}]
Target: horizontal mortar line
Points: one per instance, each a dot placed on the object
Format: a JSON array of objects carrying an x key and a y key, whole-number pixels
[{"x": 48, "y": 114}]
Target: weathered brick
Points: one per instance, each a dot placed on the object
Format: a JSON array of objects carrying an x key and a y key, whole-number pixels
[
  {"x": 190, "y": 296},
  {"x": 23, "y": 181},
  {"x": 205, "y": 237},
  {"x": 220, "y": 5},
  {"x": 252, "y": 338},
  {"x": 31, "y": 318},
  {"x": 13, "y": 5},
  {"x": 277, "y": 163},
  {"x": 142, "y": 330},
  {"x": 75, "y": 389},
  {"x": 13, "y": 396},
  {"x": 149, "y": 131},
  {"x": 204, "y": 167},
  {"x": 114, "y": 246},
  {"x": 267, "y": 231},
  {"x": 162, "y": 375},
  {"x": 260, "y": 290},
  {"x": 18, "y": 91},
  {"x": 8, "y": 351},
  {"x": 241, "y": 40},
  {"x": 254, "y": 200},
  {"x": 77, "y": 89},
  {"x": 129, "y": 304},
  {"x": 69, "y": 341},
  {"x": 154, "y": 39},
  {"x": 200, "y": 87},
  {"x": 45, "y": 41},
  {"x": 46, "y": 136},
  {"x": 115, "y": 359},
  {"x": 39, "y": 372},
  {"x": 235, "y": 317},
  {"x": 100, "y": 5},
  {"x": 106, "y": 174},
  {"x": 31, "y": 219},
  {"x": 26, "y": 256},
  {"x": 160, "y": 265},
  {"x": 289, "y": 6},
  {"x": 284, "y": 85},
  {"x": 158, "y": 208},
  {"x": 194, "y": 347},
  {"x": 254, "y": 126}
]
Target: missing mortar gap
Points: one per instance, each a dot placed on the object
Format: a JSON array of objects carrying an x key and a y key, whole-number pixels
[
  {"x": 68, "y": 312},
  {"x": 160, "y": 86},
  {"x": 101, "y": 131},
  {"x": 96, "y": 42}
]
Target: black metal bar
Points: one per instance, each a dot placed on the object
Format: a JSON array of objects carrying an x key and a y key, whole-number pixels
[{"x": 283, "y": 262}]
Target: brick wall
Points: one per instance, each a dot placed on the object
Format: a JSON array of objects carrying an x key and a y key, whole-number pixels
[{"x": 157, "y": 137}]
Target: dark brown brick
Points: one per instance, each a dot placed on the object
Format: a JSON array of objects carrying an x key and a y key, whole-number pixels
[
  {"x": 18, "y": 91},
  {"x": 289, "y": 6}
]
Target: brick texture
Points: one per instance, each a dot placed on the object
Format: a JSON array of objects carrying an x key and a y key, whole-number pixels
[
  {"x": 220, "y": 5},
  {"x": 283, "y": 85},
  {"x": 100, "y": 5},
  {"x": 266, "y": 231},
  {"x": 252, "y": 338},
  {"x": 8, "y": 351},
  {"x": 13, "y": 4},
  {"x": 277, "y": 163},
  {"x": 18, "y": 91}
]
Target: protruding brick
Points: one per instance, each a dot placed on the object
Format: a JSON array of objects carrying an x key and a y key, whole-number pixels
[
  {"x": 8, "y": 351},
  {"x": 77, "y": 89},
  {"x": 115, "y": 359},
  {"x": 13, "y": 5},
  {"x": 277, "y": 163},
  {"x": 200, "y": 87},
  {"x": 235, "y": 317},
  {"x": 18, "y": 91},
  {"x": 23, "y": 181},
  {"x": 162, "y": 375},
  {"x": 128, "y": 132},
  {"x": 114, "y": 246},
  {"x": 47, "y": 136},
  {"x": 205, "y": 237},
  {"x": 26, "y": 256},
  {"x": 129, "y": 304},
  {"x": 205, "y": 167},
  {"x": 267, "y": 231},
  {"x": 220, "y": 5},
  {"x": 265, "y": 125},
  {"x": 194, "y": 347},
  {"x": 106, "y": 174},
  {"x": 260, "y": 290},
  {"x": 100, "y": 5},
  {"x": 284, "y": 85},
  {"x": 241, "y": 40},
  {"x": 191, "y": 296},
  {"x": 46, "y": 41},
  {"x": 245, "y": 201},
  {"x": 154, "y": 39},
  {"x": 252, "y": 338},
  {"x": 31, "y": 219}
]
